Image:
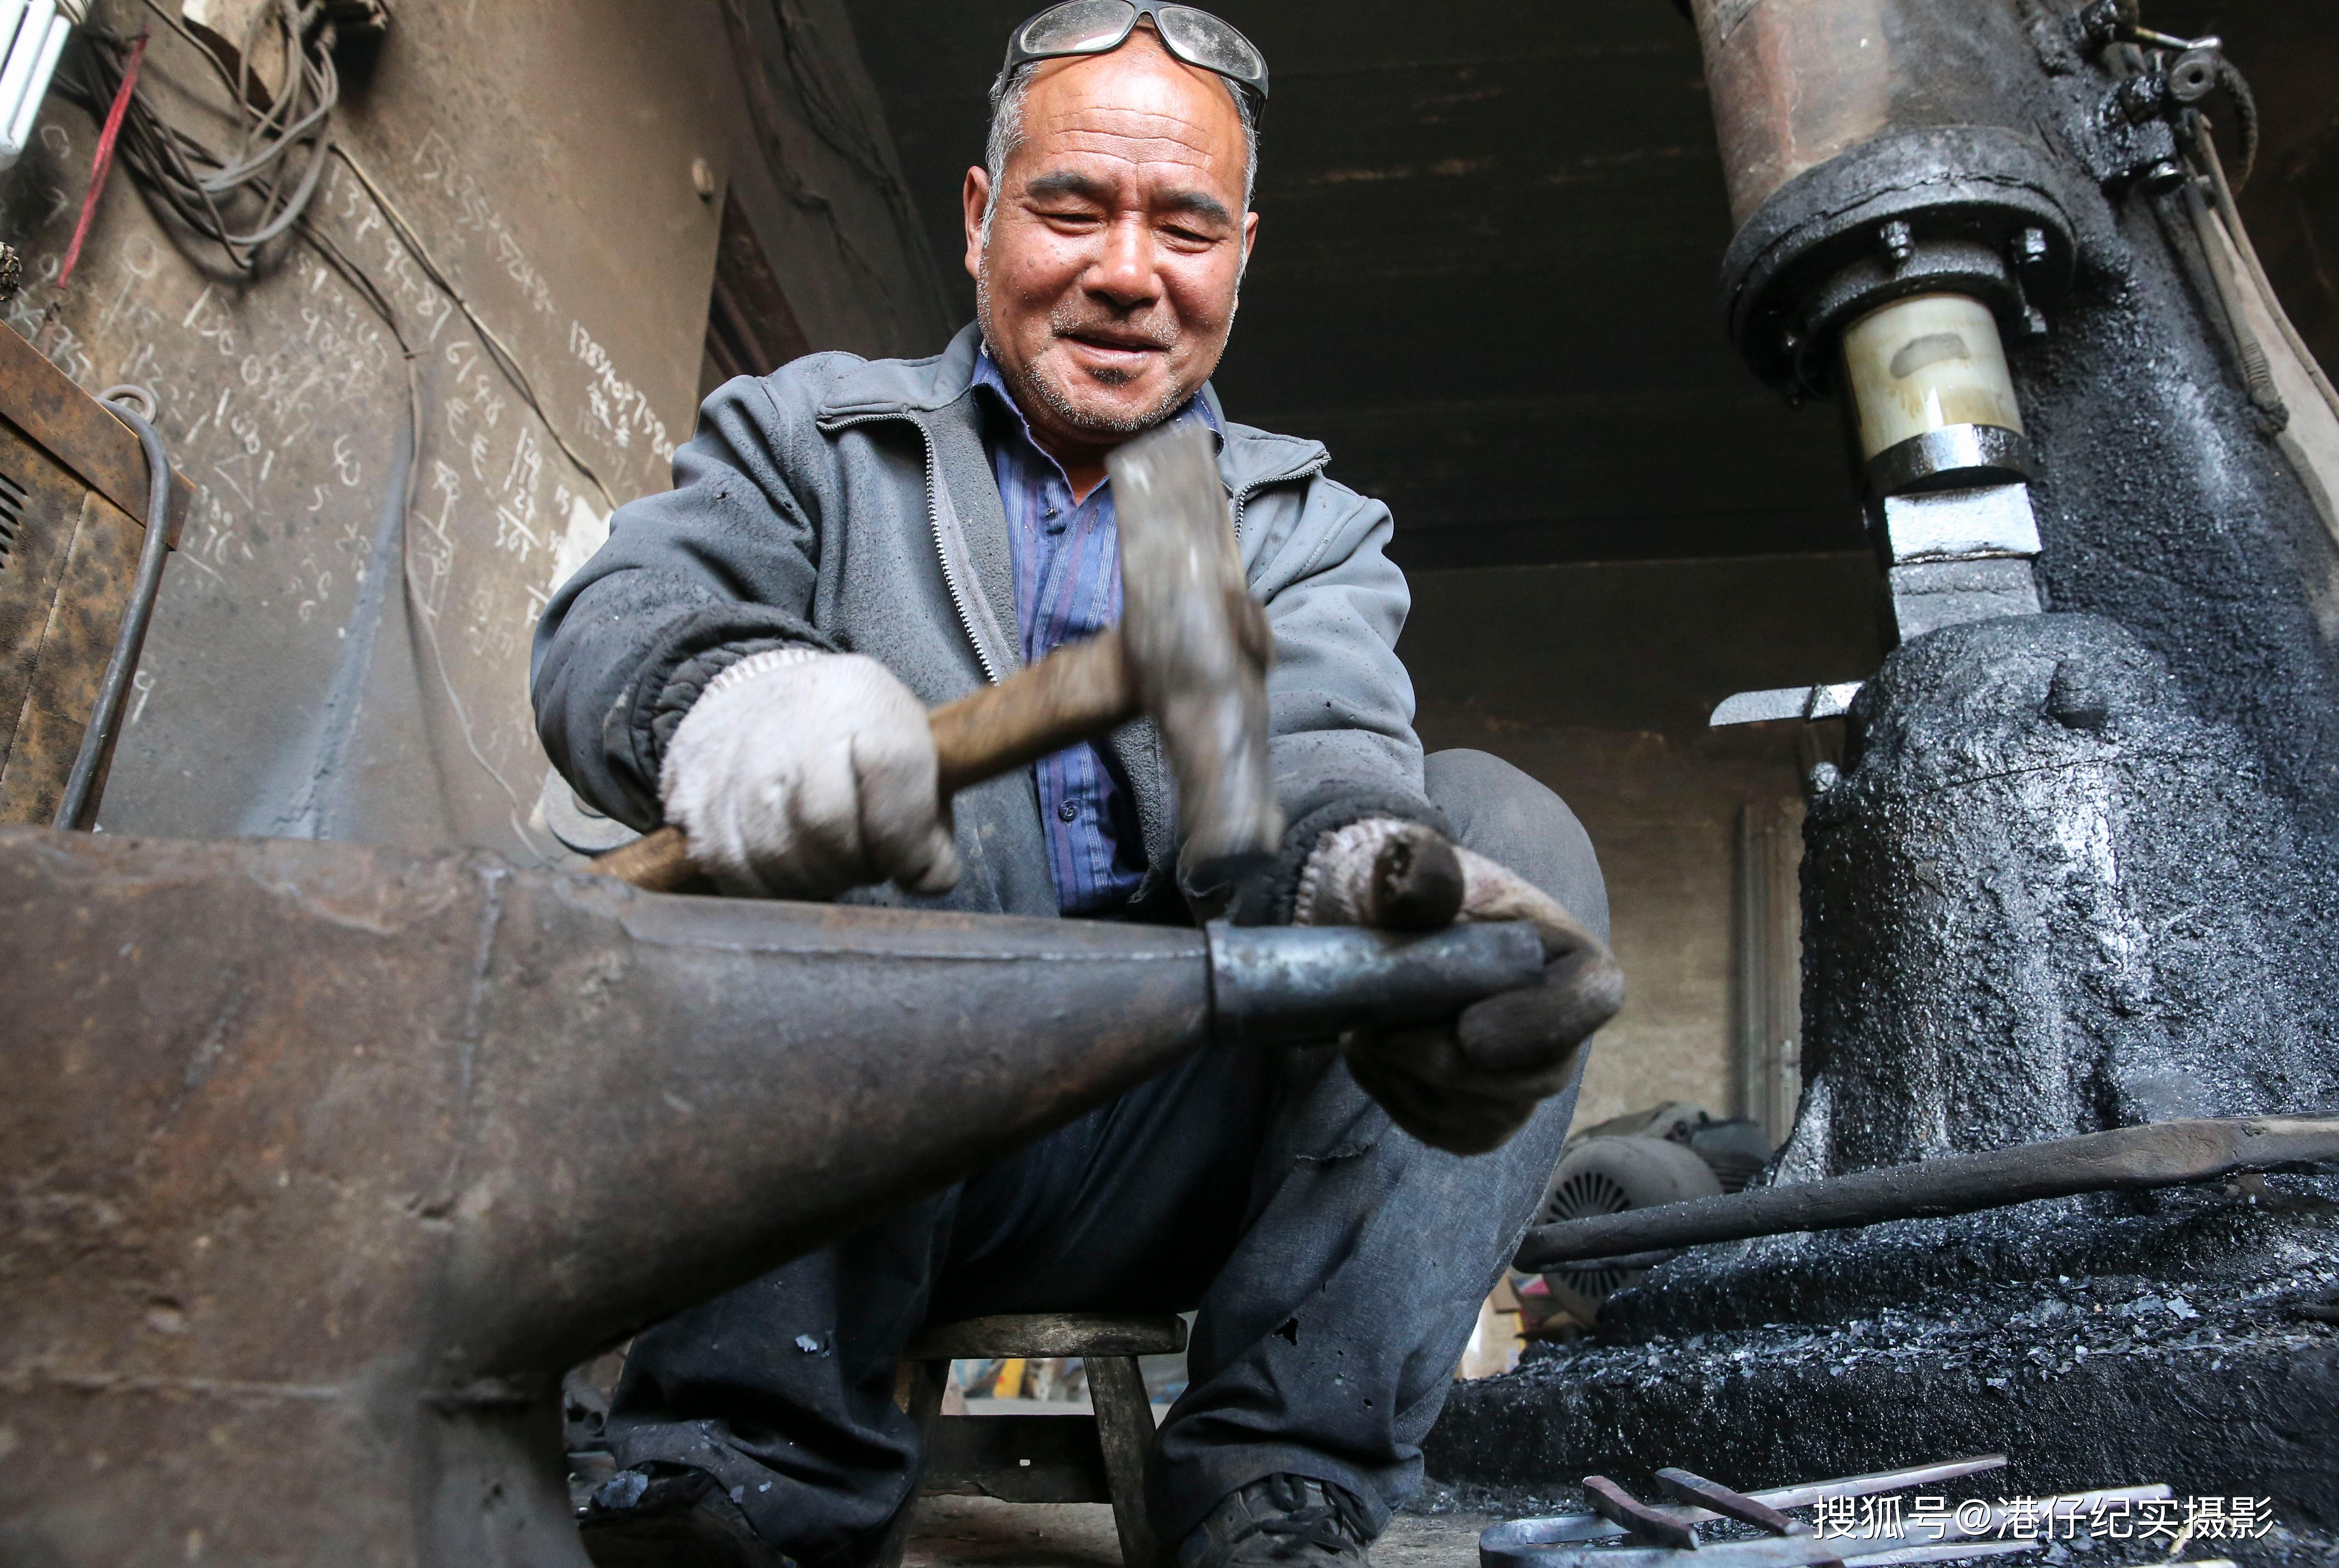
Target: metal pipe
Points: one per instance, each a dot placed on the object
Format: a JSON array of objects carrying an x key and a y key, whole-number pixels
[
  {"x": 1957, "y": 1538},
  {"x": 1280, "y": 985},
  {"x": 77, "y": 807},
  {"x": 2125, "y": 1158},
  {"x": 1796, "y": 83}
]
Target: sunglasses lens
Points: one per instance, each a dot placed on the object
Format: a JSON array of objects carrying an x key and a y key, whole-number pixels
[
  {"x": 1078, "y": 27},
  {"x": 1203, "y": 40}
]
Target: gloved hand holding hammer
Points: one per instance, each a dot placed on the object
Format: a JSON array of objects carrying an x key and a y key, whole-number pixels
[{"x": 800, "y": 774}]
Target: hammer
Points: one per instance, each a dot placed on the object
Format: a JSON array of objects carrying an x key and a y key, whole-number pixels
[{"x": 1191, "y": 652}]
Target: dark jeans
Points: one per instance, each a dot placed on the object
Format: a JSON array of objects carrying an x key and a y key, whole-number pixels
[{"x": 1337, "y": 1264}]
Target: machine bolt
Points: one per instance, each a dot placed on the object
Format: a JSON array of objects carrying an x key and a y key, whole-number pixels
[
  {"x": 1825, "y": 777},
  {"x": 2161, "y": 178},
  {"x": 2101, "y": 20},
  {"x": 2141, "y": 98},
  {"x": 2195, "y": 76},
  {"x": 1900, "y": 242},
  {"x": 2031, "y": 248}
]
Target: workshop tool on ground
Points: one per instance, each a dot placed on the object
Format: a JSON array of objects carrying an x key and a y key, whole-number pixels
[
  {"x": 1635, "y": 1518},
  {"x": 1515, "y": 1542},
  {"x": 325, "y": 1161},
  {"x": 1191, "y": 652},
  {"x": 1696, "y": 1492},
  {"x": 2124, "y": 1158},
  {"x": 1623, "y": 1532}
]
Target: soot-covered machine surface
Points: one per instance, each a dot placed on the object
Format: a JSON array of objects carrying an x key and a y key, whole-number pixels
[{"x": 2068, "y": 900}]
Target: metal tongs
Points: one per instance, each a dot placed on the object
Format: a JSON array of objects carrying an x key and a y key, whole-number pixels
[{"x": 1622, "y": 1531}]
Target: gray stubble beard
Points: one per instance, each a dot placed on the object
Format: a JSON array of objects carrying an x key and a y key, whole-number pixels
[{"x": 1029, "y": 387}]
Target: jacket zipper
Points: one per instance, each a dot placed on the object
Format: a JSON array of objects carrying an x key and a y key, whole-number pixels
[
  {"x": 934, "y": 519},
  {"x": 934, "y": 529},
  {"x": 1242, "y": 497}
]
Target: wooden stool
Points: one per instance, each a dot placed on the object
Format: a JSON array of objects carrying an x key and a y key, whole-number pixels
[{"x": 1041, "y": 1458}]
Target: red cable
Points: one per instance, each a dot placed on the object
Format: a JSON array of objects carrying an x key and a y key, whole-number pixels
[{"x": 103, "y": 163}]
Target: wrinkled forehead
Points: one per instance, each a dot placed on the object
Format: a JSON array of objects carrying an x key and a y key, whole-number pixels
[{"x": 1137, "y": 108}]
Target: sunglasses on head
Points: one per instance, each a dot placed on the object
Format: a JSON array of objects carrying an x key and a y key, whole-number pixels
[{"x": 1101, "y": 27}]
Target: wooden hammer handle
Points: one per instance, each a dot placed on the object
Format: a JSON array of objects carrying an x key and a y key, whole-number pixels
[{"x": 1077, "y": 693}]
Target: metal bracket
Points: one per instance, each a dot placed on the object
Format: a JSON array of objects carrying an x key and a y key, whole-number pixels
[{"x": 1807, "y": 703}]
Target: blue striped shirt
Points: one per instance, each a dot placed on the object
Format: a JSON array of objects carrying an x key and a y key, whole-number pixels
[{"x": 1067, "y": 560}]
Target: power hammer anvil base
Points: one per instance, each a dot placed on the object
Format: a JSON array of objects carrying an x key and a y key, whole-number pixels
[{"x": 322, "y": 1161}]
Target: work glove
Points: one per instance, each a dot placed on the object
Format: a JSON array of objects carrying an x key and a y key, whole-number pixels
[
  {"x": 1468, "y": 1084},
  {"x": 800, "y": 775}
]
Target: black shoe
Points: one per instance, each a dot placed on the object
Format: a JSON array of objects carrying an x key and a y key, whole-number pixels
[
  {"x": 1282, "y": 1522},
  {"x": 662, "y": 1515}
]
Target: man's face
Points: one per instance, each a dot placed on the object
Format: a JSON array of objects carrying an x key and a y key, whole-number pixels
[{"x": 1105, "y": 285}]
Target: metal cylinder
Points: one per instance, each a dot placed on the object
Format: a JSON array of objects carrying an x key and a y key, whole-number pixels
[
  {"x": 1272, "y": 984},
  {"x": 1798, "y": 82},
  {"x": 1932, "y": 399},
  {"x": 1923, "y": 365},
  {"x": 1876, "y": 151},
  {"x": 1794, "y": 82}
]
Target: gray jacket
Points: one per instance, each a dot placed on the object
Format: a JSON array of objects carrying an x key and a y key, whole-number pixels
[{"x": 849, "y": 505}]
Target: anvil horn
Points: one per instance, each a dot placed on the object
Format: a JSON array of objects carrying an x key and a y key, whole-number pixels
[{"x": 324, "y": 1161}]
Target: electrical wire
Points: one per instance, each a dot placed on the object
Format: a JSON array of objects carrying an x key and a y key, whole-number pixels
[
  {"x": 237, "y": 203},
  {"x": 419, "y": 615},
  {"x": 506, "y": 361},
  {"x": 168, "y": 162},
  {"x": 265, "y": 151},
  {"x": 2264, "y": 285},
  {"x": 301, "y": 111},
  {"x": 2245, "y": 110},
  {"x": 194, "y": 187},
  {"x": 77, "y": 807}
]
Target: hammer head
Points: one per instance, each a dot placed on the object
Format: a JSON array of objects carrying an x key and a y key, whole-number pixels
[{"x": 1198, "y": 644}]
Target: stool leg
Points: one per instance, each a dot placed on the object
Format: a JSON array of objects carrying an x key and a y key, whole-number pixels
[
  {"x": 1124, "y": 1420},
  {"x": 925, "y": 1380}
]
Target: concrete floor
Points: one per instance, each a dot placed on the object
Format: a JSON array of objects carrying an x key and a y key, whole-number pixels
[{"x": 951, "y": 1531}]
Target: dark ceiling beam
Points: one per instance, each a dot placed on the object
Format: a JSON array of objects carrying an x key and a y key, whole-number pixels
[{"x": 1580, "y": 541}]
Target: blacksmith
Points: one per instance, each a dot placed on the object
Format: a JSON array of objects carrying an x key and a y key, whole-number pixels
[{"x": 850, "y": 543}]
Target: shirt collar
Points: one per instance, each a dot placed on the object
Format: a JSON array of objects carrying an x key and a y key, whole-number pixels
[{"x": 987, "y": 375}]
